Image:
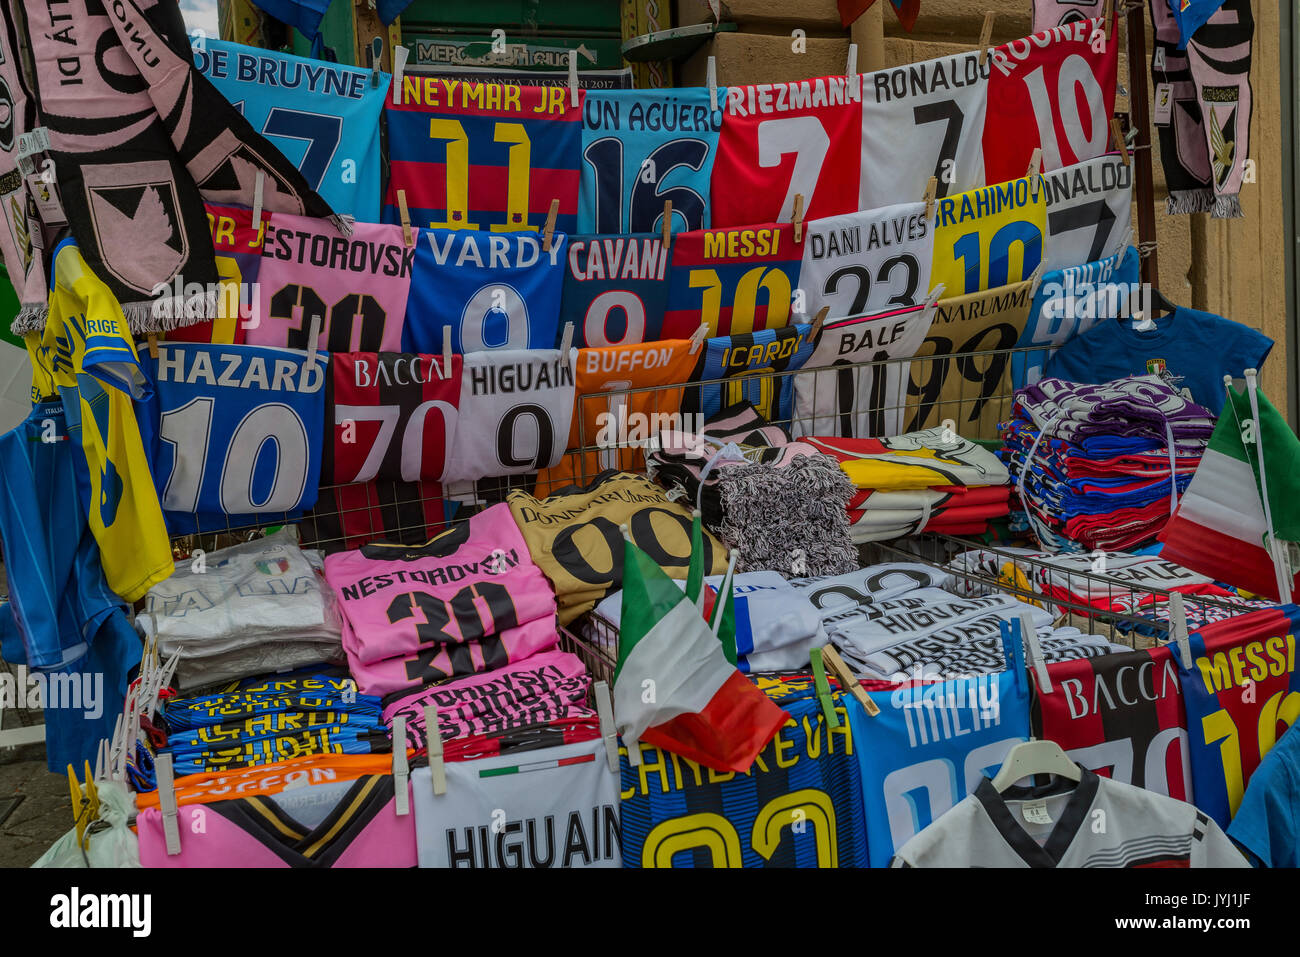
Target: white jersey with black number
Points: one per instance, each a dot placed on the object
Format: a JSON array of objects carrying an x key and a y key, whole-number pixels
[
  {"x": 1098, "y": 822},
  {"x": 516, "y": 408},
  {"x": 1089, "y": 212}
]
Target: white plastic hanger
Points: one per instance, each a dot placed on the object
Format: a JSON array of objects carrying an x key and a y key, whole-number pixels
[{"x": 1035, "y": 757}]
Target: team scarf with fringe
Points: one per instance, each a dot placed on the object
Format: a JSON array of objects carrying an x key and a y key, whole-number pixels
[{"x": 1205, "y": 140}]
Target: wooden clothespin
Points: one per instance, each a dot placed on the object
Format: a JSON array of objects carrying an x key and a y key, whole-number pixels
[
  {"x": 797, "y": 217},
  {"x": 258, "y": 186},
  {"x": 167, "y": 802},
  {"x": 433, "y": 746},
  {"x": 446, "y": 351},
  {"x": 935, "y": 295},
  {"x": 608, "y": 730},
  {"x": 851, "y": 70},
  {"x": 566, "y": 341},
  {"x": 931, "y": 191},
  {"x": 986, "y": 35},
  {"x": 313, "y": 342},
  {"x": 1178, "y": 614},
  {"x": 549, "y": 229},
  {"x": 698, "y": 337},
  {"x": 1036, "y": 279},
  {"x": 153, "y": 345},
  {"x": 1121, "y": 143},
  {"x": 1035, "y": 170},
  {"x": 401, "y": 768},
  {"x": 400, "y": 56},
  {"x": 1106, "y": 8},
  {"x": 848, "y": 680},
  {"x": 404, "y": 212},
  {"x": 573, "y": 78},
  {"x": 711, "y": 71},
  {"x": 823, "y": 688},
  {"x": 818, "y": 320},
  {"x": 1034, "y": 652},
  {"x": 376, "y": 58},
  {"x": 668, "y": 222}
]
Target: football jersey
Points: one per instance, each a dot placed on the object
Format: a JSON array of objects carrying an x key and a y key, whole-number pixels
[
  {"x": 1142, "y": 829},
  {"x": 202, "y": 711},
  {"x": 220, "y": 444},
  {"x": 558, "y": 807},
  {"x": 483, "y": 155},
  {"x": 546, "y": 687},
  {"x": 615, "y": 289},
  {"x": 1054, "y": 90},
  {"x": 748, "y": 361},
  {"x": 238, "y": 248},
  {"x": 393, "y": 416},
  {"x": 779, "y": 140},
  {"x": 868, "y": 400},
  {"x": 972, "y": 392},
  {"x": 331, "y": 824},
  {"x": 574, "y": 536},
  {"x": 469, "y": 600},
  {"x": 1068, "y": 303},
  {"x": 989, "y": 237},
  {"x": 270, "y": 779},
  {"x": 85, "y": 355},
  {"x": 349, "y": 516},
  {"x": 800, "y": 805},
  {"x": 925, "y": 459},
  {"x": 1241, "y": 694},
  {"x": 358, "y": 285},
  {"x": 245, "y": 747},
  {"x": 515, "y": 412},
  {"x": 922, "y": 120},
  {"x": 324, "y": 117},
  {"x": 1121, "y": 716},
  {"x": 861, "y": 263},
  {"x": 495, "y": 292},
  {"x": 736, "y": 280},
  {"x": 642, "y": 148},
  {"x": 1089, "y": 211},
  {"x": 929, "y": 747},
  {"x": 852, "y": 595},
  {"x": 621, "y": 424}
]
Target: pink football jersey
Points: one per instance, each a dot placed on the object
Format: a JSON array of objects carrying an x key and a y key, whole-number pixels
[
  {"x": 337, "y": 824},
  {"x": 470, "y": 600}
]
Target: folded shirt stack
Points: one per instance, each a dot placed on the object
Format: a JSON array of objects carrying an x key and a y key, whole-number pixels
[
  {"x": 250, "y": 609},
  {"x": 927, "y": 481},
  {"x": 1097, "y": 466},
  {"x": 776, "y": 625}
]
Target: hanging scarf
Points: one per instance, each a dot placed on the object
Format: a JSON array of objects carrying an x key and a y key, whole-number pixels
[
  {"x": 135, "y": 213},
  {"x": 1204, "y": 138},
  {"x": 220, "y": 149},
  {"x": 20, "y": 251}
]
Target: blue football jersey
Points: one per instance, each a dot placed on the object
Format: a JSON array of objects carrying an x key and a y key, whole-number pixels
[
  {"x": 799, "y": 805},
  {"x": 1068, "y": 303},
  {"x": 233, "y": 432},
  {"x": 615, "y": 289},
  {"x": 743, "y": 359},
  {"x": 642, "y": 148},
  {"x": 930, "y": 746},
  {"x": 323, "y": 116},
  {"x": 495, "y": 291}
]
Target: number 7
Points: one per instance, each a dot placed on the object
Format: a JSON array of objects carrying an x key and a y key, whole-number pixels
[{"x": 806, "y": 138}]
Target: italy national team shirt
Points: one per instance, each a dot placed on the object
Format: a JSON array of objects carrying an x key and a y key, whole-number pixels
[
  {"x": 782, "y": 140},
  {"x": 358, "y": 285},
  {"x": 86, "y": 355},
  {"x": 642, "y": 149},
  {"x": 468, "y": 601},
  {"x": 930, "y": 746},
  {"x": 615, "y": 288},
  {"x": 988, "y": 237},
  {"x": 1193, "y": 350},
  {"x": 484, "y": 156},
  {"x": 393, "y": 416},
  {"x": 801, "y": 804},
  {"x": 494, "y": 291},
  {"x": 733, "y": 280},
  {"x": 1241, "y": 694},
  {"x": 234, "y": 431},
  {"x": 324, "y": 117}
]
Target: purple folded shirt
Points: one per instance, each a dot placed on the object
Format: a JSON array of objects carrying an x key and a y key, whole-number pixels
[{"x": 1141, "y": 406}]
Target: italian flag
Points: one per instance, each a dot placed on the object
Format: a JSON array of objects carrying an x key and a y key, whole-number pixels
[
  {"x": 673, "y": 687},
  {"x": 1243, "y": 504}
]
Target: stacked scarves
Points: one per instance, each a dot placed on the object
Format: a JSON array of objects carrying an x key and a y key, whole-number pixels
[
  {"x": 139, "y": 140},
  {"x": 779, "y": 504},
  {"x": 1205, "y": 141},
  {"x": 927, "y": 481},
  {"x": 1100, "y": 466}
]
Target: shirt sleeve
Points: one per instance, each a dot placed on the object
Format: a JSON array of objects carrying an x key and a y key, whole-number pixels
[
  {"x": 1211, "y": 847},
  {"x": 1267, "y": 824},
  {"x": 1249, "y": 351}
]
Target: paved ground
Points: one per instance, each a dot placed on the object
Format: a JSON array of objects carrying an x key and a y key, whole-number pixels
[{"x": 44, "y": 813}]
